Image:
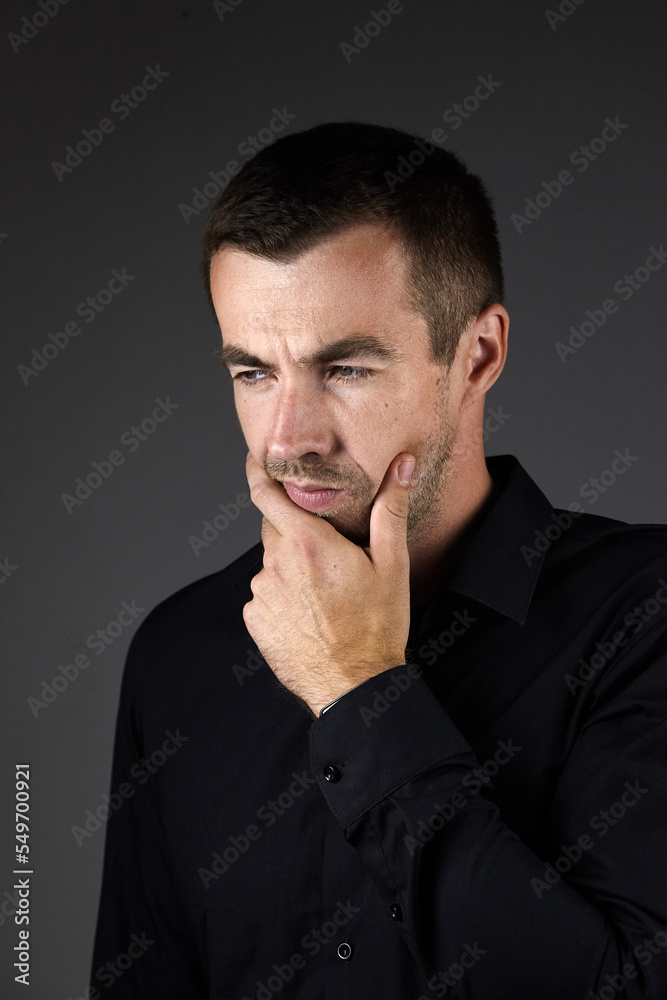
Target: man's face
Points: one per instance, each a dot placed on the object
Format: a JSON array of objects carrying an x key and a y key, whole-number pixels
[{"x": 336, "y": 420}]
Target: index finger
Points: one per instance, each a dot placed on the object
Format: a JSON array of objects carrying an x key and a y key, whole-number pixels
[{"x": 271, "y": 499}]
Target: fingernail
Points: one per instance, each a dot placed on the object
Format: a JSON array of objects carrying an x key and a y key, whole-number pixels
[{"x": 405, "y": 470}]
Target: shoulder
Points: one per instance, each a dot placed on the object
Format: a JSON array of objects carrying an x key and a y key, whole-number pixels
[
  {"x": 607, "y": 544},
  {"x": 187, "y": 660},
  {"x": 611, "y": 577},
  {"x": 210, "y": 605}
]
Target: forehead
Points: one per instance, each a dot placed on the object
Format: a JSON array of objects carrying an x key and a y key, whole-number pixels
[{"x": 359, "y": 270}]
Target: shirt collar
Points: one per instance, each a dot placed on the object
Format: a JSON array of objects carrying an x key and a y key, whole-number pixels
[{"x": 491, "y": 568}]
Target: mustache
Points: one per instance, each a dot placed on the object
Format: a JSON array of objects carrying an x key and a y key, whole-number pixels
[
  {"x": 330, "y": 482},
  {"x": 321, "y": 475}
]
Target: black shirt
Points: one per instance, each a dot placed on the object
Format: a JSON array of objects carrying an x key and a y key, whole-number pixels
[{"x": 486, "y": 821}]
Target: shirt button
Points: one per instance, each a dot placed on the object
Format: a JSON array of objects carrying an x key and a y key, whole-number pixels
[
  {"x": 395, "y": 912},
  {"x": 331, "y": 773},
  {"x": 344, "y": 950}
]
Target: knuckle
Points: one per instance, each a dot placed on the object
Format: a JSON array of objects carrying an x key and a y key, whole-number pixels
[
  {"x": 305, "y": 545},
  {"x": 258, "y": 491},
  {"x": 269, "y": 562},
  {"x": 394, "y": 513}
]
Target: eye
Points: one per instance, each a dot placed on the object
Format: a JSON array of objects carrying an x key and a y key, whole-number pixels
[
  {"x": 361, "y": 373},
  {"x": 356, "y": 375},
  {"x": 242, "y": 377}
]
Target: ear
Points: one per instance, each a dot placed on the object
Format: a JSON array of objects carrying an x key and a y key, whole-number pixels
[{"x": 486, "y": 342}]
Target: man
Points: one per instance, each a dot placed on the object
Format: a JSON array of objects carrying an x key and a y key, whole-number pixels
[{"x": 414, "y": 739}]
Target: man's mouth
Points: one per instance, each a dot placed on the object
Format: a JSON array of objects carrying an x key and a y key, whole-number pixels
[{"x": 313, "y": 497}]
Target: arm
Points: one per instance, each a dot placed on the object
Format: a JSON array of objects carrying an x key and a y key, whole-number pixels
[
  {"x": 471, "y": 894},
  {"x": 140, "y": 914}
]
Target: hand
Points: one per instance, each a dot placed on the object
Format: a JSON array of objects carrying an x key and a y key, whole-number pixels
[{"x": 327, "y": 614}]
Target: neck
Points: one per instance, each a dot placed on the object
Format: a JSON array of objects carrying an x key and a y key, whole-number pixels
[{"x": 466, "y": 492}]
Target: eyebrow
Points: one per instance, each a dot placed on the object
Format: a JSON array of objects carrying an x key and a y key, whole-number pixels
[{"x": 347, "y": 347}]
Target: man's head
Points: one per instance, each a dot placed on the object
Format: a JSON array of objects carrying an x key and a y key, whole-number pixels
[
  {"x": 316, "y": 241},
  {"x": 311, "y": 184}
]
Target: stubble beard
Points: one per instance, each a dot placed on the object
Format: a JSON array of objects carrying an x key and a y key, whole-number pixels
[{"x": 428, "y": 490}]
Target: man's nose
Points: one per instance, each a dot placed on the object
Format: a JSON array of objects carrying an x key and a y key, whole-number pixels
[{"x": 300, "y": 424}]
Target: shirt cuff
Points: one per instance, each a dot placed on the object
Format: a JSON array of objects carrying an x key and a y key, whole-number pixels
[
  {"x": 327, "y": 707},
  {"x": 385, "y": 731},
  {"x": 336, "y": 700}
]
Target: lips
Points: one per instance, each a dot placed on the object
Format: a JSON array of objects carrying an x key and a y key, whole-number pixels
[{"x": 313, "y": 497}]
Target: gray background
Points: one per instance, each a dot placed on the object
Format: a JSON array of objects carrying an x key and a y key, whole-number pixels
[{"x": 120, "y": 208}]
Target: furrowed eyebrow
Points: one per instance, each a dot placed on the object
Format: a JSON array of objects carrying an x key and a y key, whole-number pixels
[{"x": 356, "y": 345}]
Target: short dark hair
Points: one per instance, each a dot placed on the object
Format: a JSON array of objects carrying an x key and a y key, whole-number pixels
[{"x": 308, "y": 185}]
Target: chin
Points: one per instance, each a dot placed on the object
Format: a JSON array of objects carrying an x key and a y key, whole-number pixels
[{"x": 358, "y": 535}]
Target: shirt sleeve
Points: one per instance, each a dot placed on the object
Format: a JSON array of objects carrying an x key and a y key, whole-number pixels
[
  {"x": 479, "y": 910},
  {"x": 141, "y": 948}
]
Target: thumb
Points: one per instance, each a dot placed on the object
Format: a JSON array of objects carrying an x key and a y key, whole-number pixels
[{"x": 389, "y": 514}]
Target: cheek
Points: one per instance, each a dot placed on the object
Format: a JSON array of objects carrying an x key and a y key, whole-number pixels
[
  {"x": 405, "y": 423},
  {"x": 372, "y": 429},
  {"x": 383, "y": 431},
  {"x": 389, "y": 413},
  {"x": 252, "y": 419}
]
